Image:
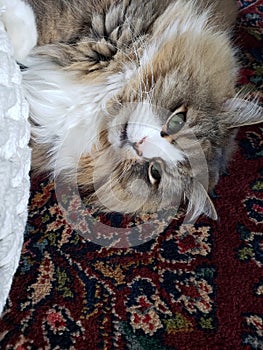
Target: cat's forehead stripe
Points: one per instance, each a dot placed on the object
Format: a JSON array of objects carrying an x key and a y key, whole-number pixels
[{"x": 175, "y": 23}]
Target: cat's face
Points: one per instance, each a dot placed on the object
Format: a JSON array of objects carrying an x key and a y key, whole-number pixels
[
  {"x": 143, "y": 140},
  {"x": 154, "y": 158}
]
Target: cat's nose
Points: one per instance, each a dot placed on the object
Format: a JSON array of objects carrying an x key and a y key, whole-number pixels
[{"x": 137, "y": 146}]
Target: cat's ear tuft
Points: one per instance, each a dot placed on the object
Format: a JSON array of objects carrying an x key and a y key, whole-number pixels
[
  {"x": 199, "y": 203},
  {"x": 241, "y": 112}
]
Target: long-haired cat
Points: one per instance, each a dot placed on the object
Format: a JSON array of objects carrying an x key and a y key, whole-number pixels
[{"x": 136, "y": 99}]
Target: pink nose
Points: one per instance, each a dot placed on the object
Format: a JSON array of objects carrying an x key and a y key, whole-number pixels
[{"x": 137, "y": 146}]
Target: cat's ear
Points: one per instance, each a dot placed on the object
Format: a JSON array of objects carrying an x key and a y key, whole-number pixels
[
  {"x": 199, "y": 203},
  {"x": 241, "y": 112}
]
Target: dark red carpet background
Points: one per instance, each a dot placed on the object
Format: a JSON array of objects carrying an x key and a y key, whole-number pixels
[{"x": 192, "y": 287}]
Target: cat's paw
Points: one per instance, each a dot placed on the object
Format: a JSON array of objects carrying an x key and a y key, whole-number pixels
[{"x": 20, "y": 24}]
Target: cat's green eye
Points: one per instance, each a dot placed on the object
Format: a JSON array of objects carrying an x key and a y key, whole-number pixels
[
  {"x": 155, "y": 173},
  {"x": 176, "y": 123}
]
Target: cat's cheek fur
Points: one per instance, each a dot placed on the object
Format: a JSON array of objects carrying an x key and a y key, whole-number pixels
[{"x": 20, "y": 24}]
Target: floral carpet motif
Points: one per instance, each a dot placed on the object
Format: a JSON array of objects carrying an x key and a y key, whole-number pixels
[{"x": 191, "y": 287}]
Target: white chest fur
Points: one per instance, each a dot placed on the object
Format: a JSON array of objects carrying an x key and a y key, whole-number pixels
[{"x": 67, "y": 113}]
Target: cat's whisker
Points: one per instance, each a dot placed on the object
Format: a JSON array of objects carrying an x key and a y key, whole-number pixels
[
  {"x": 141, "y": 90},
  {"x": 148, "y": 87},
  {"x": 145, "y": 50}
]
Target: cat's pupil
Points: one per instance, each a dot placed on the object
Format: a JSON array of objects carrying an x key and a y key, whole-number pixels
[
  {"x": 176, "y": 123},
  {"x": 155, "y": 172}
]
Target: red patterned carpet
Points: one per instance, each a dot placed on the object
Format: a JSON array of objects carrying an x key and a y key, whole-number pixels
[{"x": 192, "y": 287}]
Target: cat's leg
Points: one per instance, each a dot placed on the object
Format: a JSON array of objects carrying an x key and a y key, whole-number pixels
[{"x": 20, "y": 24}]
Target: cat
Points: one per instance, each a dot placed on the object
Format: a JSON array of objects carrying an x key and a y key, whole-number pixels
[{"x": 134, "y": 100}]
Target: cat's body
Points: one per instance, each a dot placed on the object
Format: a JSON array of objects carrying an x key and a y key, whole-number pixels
[{"x": 122, "y": 91}]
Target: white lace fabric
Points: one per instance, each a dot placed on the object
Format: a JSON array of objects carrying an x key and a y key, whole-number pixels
[{"x": 15, "y": 158}]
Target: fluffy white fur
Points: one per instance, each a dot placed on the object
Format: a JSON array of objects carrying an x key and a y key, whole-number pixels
[{"x": 68, "y": 111}]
